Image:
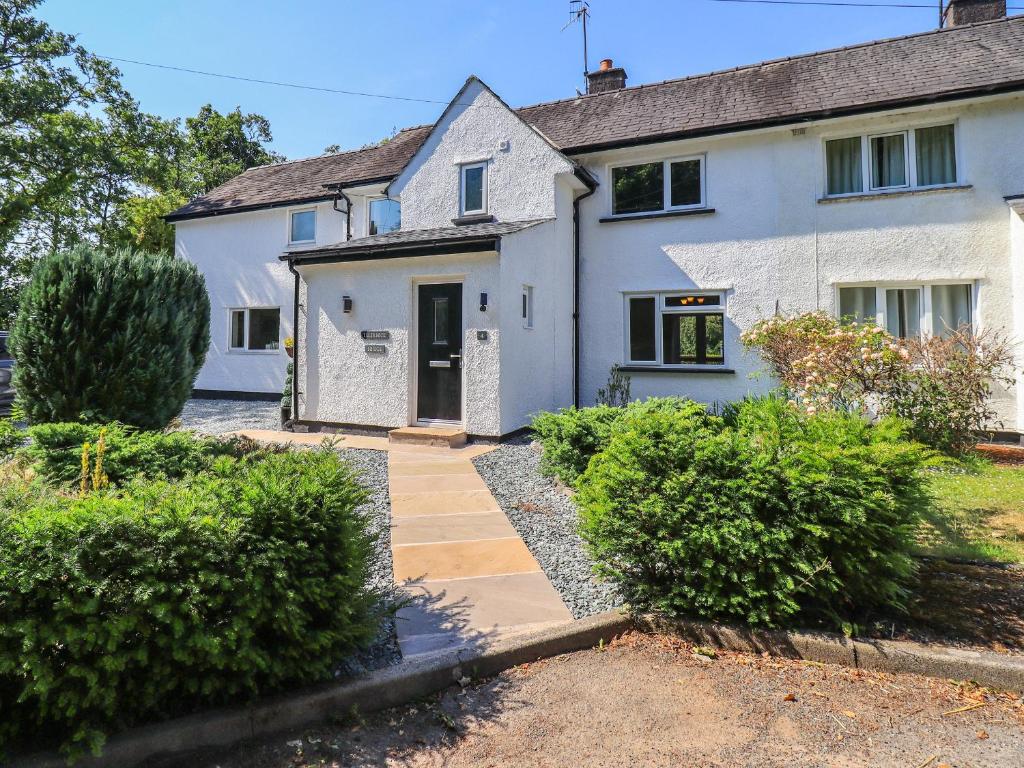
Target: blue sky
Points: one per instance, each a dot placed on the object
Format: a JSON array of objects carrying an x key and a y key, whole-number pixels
[{"x": 426, "y": 49}]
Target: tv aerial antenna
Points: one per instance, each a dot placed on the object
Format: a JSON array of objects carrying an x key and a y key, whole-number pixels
[{"x": 579, "y": 11}]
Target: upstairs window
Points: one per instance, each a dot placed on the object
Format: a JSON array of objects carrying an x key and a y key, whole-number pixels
[
  {"x": 909, "y": 311},
  {"x": 385, "y": 216},
  {"x": 473, "y": 189},
  {"x": 675, "y": 329},
  {"x": 254, "y": 330},
  {"x": 302, "y": 227},
  {"x": 917, "y": 159},
  {"x": 666, "y": 185}
]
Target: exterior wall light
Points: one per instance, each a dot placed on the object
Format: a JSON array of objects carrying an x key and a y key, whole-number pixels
[
  {"x": 346, "y": 305},
  {"x": 483, "y": 302}
]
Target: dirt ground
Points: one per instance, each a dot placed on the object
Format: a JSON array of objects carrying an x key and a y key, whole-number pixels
[
  {"x": 652, "y": 701},
  {"x": 968, "y": 605}
]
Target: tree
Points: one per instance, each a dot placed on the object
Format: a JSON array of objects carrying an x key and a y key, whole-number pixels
[
  {"x": 80, "y": 162},
  {"x": 110, "y": 336},
  {"x": 221, "y": 146}
]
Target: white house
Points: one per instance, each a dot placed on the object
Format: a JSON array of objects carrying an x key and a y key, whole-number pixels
[{"x": 500, "y": 261}]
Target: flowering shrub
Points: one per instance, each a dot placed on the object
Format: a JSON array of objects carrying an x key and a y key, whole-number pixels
[
  {"x": 946, "y": 392},
  {"x": 828, "y": 366}
]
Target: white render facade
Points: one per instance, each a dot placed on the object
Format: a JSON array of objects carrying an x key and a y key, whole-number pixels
[{"x": 759, "y": 230}]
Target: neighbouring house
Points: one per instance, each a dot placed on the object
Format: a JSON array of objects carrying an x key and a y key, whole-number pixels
[{"x": 500, "y": 261}]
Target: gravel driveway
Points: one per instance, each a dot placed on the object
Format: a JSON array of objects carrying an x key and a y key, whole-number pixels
[
  {"x": 545, "y": 517},
  {"x": 648, "y": 701},
  {"x": 214, "y": 417}
]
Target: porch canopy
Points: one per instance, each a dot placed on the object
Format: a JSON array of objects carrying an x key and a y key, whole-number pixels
[{"x": 464, "y": 238}]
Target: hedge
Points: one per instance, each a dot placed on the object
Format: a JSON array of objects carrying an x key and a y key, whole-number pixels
[
  {"x": 765, "y": 516},
  {"x": 164, "y": 597}
]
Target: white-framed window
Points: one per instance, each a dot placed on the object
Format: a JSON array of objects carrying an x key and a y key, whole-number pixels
[
  {"x": 383, "y": 215},
  {"x": 676, "y": 184},
  {"x": 527, "y": 306},
  {"x": 302, "y": 226},
  {"x": 675, "y": 328},
  {"x": 473, "y": 189},
  {"x": 916, "y": 158},
  {"x": 908, "y": 310},
  {"x": 254, "y": 329}
]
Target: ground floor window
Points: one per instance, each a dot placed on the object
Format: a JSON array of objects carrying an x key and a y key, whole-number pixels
[
  {"x": 255, "y": 329},
  {"x": 675, "y": 329},
  {"x": 907, "y": 311}
]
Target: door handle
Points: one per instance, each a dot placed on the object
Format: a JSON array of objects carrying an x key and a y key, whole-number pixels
[{"x": 457, "y": 359}]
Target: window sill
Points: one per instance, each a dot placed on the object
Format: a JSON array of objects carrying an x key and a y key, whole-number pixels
[
  {"x": 669, "y": 369},
  {"x": 657, "y": 215},
  {"x": 827, "y": 200},
  {"x": 254, "y": 351},
  {"x": 476, "y": 218}
]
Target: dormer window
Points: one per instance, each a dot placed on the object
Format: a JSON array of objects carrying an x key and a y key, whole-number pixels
[
  {"x": 302, "y": 227},
  {"x": 473, "y": 189}
]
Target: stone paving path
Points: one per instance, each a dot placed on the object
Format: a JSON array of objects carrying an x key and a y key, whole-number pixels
[{"x": 468, "y": 574}]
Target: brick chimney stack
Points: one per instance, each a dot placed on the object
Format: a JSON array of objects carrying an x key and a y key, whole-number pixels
[
  {"x": 607, "y": 78},
  {"x": 960, "y": 12}
]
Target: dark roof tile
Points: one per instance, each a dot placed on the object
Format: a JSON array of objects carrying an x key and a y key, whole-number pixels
[{"x": 935, "y": 65}]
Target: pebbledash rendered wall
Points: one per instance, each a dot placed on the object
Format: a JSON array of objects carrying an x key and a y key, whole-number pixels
[
  {"x": 238, "y": 256},
  {"x": 515, "y": 371},
  {"x": 772, "y": 243}
]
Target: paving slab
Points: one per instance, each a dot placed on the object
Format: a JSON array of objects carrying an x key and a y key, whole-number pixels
[
  {"x": 462, "y": 559},
  {"x": 442, "y": 503},
  {"x": 437, "y": 482},
  {"x": 431, "y": 529}
]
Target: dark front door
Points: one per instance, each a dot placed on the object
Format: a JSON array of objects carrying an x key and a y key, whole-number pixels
[{"x": 439, "y": 393}]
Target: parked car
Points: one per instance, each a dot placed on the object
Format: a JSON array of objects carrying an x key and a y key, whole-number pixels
[{"x": 6, "y": 369}]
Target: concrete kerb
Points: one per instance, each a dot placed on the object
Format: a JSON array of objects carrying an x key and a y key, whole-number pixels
[
  {"x": 417, "y": 678},
  {"x": 408, "y": 681},
  {"x": 986, "y": 668}
]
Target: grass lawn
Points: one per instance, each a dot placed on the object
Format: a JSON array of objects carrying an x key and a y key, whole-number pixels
[{"x": 977, "y": 515}]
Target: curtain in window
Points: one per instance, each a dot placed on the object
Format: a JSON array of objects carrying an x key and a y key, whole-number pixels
[
  {"x": 936, "y": 156},
  {"x": 888, "y": 161},
  {"x": 844, "y": 173},
  {"x": 857, "y": 304},
  {"x": 903, "y": 312},
  {"x": 951, "y": 308}
]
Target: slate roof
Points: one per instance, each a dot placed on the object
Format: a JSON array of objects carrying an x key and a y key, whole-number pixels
[
  {"x": 302, "y": 181},
  {"x": 933, "y": 66},
  {"x": 414, "y": 242}
]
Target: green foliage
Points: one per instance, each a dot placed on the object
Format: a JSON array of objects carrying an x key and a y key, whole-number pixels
[
  {"x": 764, "y": 516},
  {"x": 572, "y": 436},
  {"x": 11, "y": 437},
  {"x": 616, "y": 393},
  {"x": 164, "y": 597},
  {"x": 110, "y": 337},
  {"x": 286, "y": 393},
  {"x": 79, "y": 162},
  {"x": 56, "y": 450}
]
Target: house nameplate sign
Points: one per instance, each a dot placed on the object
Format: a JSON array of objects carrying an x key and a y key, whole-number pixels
[
  {"x": 376, "y": 349},
  {"x": 376, "y": 334}
]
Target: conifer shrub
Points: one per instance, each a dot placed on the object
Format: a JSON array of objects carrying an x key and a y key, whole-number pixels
[
  {"x": 109, "y": 336},
  {"x": 55, "y": 451},
  {"x": 765, "y": 516},
  {"x": 571, "y": 437},
  {"x": 156, "y": 599}
]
